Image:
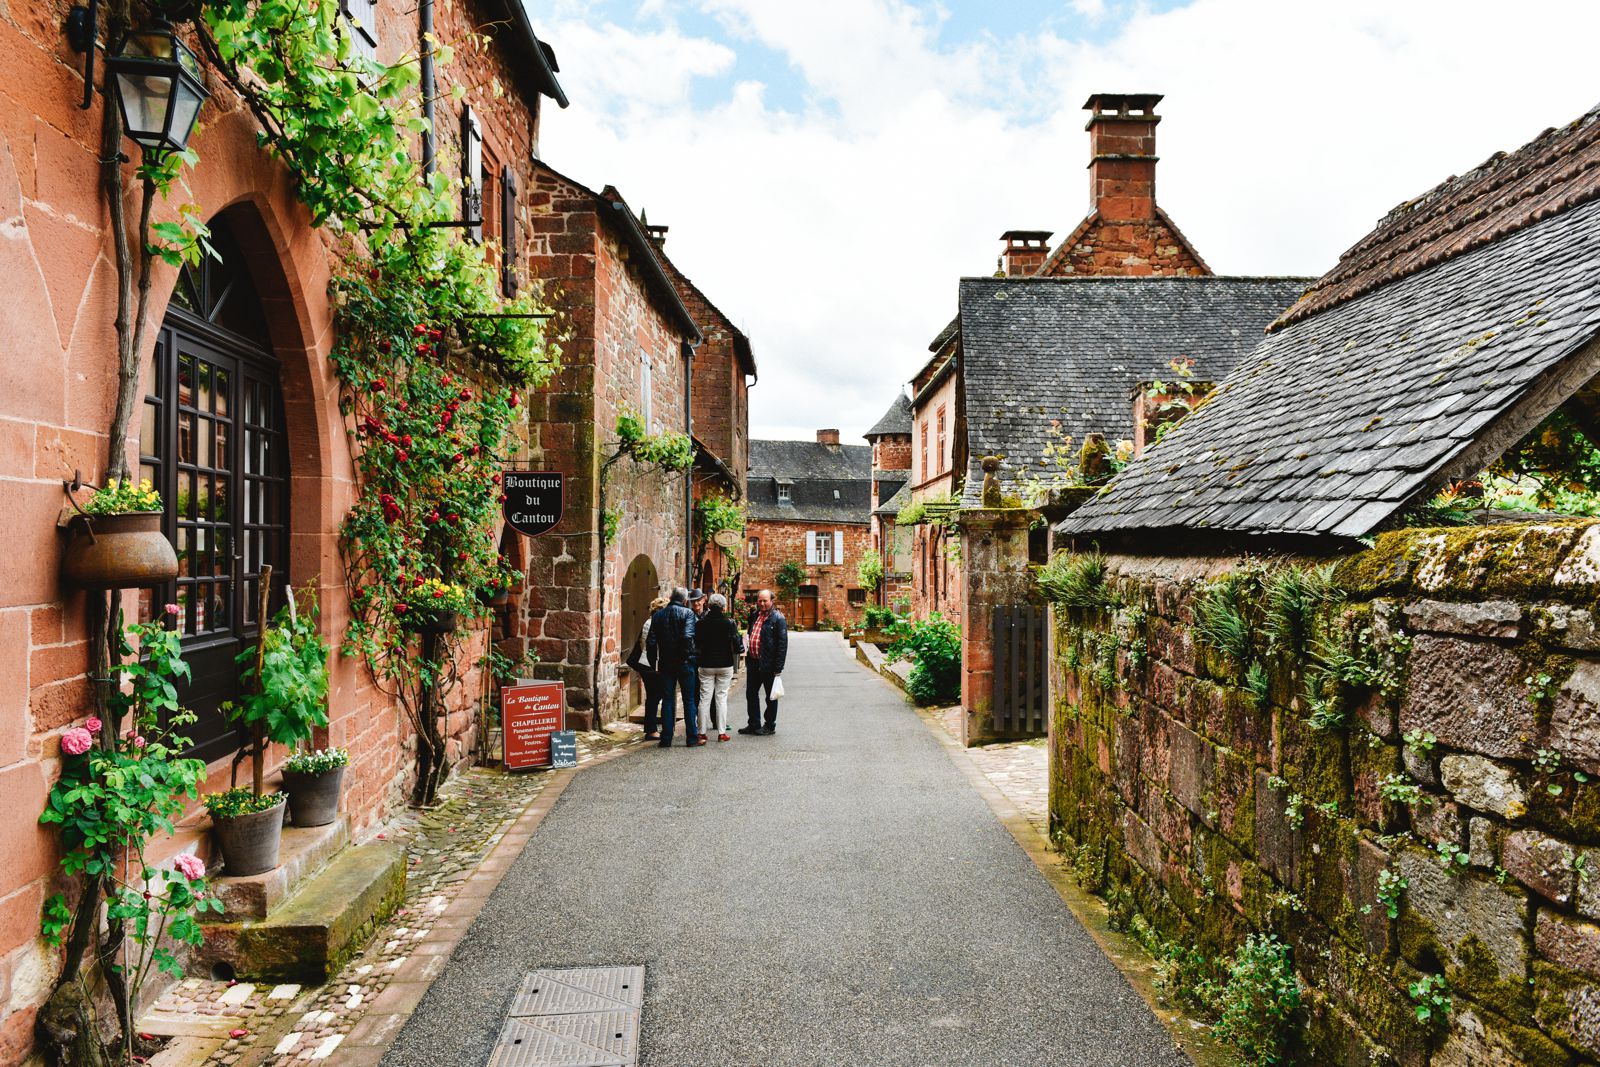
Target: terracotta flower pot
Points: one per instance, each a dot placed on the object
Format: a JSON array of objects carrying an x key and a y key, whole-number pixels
[
  {"x": 313, "y": 798},
  {"x": 250, "y": 842},
  {"x": 126, "y": 551}
]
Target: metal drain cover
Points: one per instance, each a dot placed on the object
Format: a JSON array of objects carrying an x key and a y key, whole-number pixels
[
  {"x": 797, "y": 757},
  {"x": 573, "y": 1017}
]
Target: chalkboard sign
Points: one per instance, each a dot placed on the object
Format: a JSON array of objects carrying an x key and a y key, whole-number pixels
[
  {"x": 564, "y": 748},
  {"x": 533, "y": 500}
]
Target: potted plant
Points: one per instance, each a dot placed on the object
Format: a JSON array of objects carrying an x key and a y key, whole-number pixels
[
  {"x": 249, "y": 828},
  {"x": 497, "y": 588},
  {"x": 116, "y": 540},
  {"x": 285, "y": 682},
  {"x": 432, "y": 606},
  {"x": 313, "y": 781}
]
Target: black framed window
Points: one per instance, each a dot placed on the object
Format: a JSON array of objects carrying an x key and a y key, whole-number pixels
[
  {"x": 212, "y": 441},
  {"x": 508, "y": 232}
]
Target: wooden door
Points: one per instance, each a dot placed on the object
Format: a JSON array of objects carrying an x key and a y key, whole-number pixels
[{"x": 806, "y": 607}]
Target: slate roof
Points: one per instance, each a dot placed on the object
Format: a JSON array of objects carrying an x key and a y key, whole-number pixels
[
  {"x": 895, "y": 504},
  {"x": 826, "y": 484},
  {"x": 1341, "y": 419},
  {"x": 1412, "y": 375},
  {"x": 1034, "y": 350},
  {"x": 896, "y": 420}
]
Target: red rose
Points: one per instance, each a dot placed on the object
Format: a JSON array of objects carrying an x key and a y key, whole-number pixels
[
  {"x": 416, "y": 582},
  {"x": 402, "y": 455},
  {"x": 453, "y": 517},
  {"x": 437, "y": 335},
  {"x": 378, "y": 385},
  {"x": 385, "y": 346},
  {"x": 438, "y": 594},
  {"x": 461, "y": 555},
  {"x": 456, "y": 458},
  {"x": 399, "y": 609},
  {"x": 447, "y": 379},
  {"x": 419, "y": 329},
  {"x": 433, "y": 516},
  {"x": 373, "y": 274},
  {"x": 405, "y": 439},
  {"x": 496, "y": 478},
  {"x": 403, "y": 406}
]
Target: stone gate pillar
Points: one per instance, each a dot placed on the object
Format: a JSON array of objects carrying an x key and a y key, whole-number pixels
[{"x": 994, "y": 561}]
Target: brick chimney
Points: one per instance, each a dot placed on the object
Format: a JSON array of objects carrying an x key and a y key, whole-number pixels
[
  {"x": 828, "y": 437},
  {"x": 657, "y": 234},
  {"x": 1025, "y": 252},
  {"x": 1122, "y": 155}
]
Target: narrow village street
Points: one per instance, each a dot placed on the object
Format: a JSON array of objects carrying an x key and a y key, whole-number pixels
[{"x": 835, "y": 894}]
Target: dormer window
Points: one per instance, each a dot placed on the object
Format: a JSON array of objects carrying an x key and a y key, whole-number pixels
[{"x": 783, "y": 492}]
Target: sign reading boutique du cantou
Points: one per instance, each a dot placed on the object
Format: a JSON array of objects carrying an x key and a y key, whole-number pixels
[
  {"x": 533, "y": 500},
  {"x": 530, "y": 713}
]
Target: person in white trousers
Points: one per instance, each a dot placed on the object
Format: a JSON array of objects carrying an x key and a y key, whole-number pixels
[{"x": 717, "y": 640}]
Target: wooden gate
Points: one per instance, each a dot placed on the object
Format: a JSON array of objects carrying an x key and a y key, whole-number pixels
[{"x": 1018, "y": 701}]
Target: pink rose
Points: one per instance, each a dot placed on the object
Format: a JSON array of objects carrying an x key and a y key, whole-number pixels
[
  {"x": 189, "y": 865},
  {"x": 76, "y": 741},
  {"x": 171, "y": 609},
  {"x": 93, "y": 725},
  {"x": 138, "y": 741}
]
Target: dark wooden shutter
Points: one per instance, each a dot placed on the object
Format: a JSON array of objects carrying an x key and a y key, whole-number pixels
[
  {"x": 508, "y": 232},
  {"x": 471, "y": 174}
]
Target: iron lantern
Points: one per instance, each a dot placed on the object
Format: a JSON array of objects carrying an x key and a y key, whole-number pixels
[{"x": 158, "y": 87}]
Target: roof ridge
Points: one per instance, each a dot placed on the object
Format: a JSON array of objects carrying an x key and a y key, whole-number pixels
[{"x": 1067, "y": 279}]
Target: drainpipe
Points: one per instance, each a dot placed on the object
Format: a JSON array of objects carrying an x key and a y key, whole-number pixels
[
  {"x": 425, "y": 35},
  {"x": 688, "y": 475}
]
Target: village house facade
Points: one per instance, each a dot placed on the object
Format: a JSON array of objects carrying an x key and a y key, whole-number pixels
[
  {"x": 809, "y": 507},
  {"x": 240, "y": 400},
  {"x": 628, "y": 350}
]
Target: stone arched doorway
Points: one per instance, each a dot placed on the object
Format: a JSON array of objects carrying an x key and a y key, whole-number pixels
[
  {"x": 213, "y": 441},
  {"x": 640, "y": 585}
]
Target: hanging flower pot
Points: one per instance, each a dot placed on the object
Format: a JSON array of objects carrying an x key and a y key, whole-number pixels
[
  {"x": 249, "y": 829},
  {"x": 430, "y": 622},
  {"x": 118, "y": 551}
]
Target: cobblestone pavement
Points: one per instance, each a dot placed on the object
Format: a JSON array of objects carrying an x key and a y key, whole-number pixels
[
  {"x": 1019, "y": 769},
  {"x": 245, "y": 1024}
]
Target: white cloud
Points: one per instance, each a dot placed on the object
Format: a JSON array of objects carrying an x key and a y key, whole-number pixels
[{"x": 835, "y": 232}]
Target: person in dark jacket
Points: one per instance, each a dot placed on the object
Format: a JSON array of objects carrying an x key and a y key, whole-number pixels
[
  {"x": 671, "y": 648},
  {"x": 654, "y": 685},
  {"x": 765, "y": 655},
  {"x": 716, "y": 638}
]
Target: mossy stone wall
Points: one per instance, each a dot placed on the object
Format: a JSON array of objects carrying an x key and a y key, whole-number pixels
[{"x": 1210, "y": 807}]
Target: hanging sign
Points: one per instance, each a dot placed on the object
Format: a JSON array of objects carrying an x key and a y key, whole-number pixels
[
  {"x": 530, "y": 712},
  {"x": 533, "y": 500},
  {"x": 728, "y": 538}
]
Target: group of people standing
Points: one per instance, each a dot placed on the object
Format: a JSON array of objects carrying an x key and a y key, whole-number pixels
[{"x": 691, "y": 647}]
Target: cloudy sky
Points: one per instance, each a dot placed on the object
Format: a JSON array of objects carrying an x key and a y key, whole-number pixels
[{"x": 830, "y": 168}]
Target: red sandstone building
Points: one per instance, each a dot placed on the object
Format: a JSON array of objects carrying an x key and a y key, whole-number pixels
[
  {"x": 238, "y": 352},
  {"x": 809, "y": 505}
]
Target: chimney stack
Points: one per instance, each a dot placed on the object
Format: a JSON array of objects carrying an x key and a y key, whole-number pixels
[
  {"x": 828, "y": 437},
  {"x": 1122, "y": 155},
  {"x": 657, "y": 234},
  {"x": 1025, "y": 252}
]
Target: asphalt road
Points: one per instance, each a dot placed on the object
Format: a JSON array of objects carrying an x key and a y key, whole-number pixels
[{"x": 835, "y": 894}]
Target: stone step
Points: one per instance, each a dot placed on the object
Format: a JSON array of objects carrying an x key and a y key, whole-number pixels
[
  {"x": 304, "y": 850},
  {"x": 321, "y": 925}
]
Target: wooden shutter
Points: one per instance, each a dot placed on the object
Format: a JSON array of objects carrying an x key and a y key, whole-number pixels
[
  {"x": 838, "y": 546},
  {"x": 361, "y": 18},
  {"x": 508, "y": 232},
  {"x": 811, "y": 548},
  {"x": 471, "y": 174}
]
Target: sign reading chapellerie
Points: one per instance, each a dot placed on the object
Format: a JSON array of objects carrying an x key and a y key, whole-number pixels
[
  {"x": 531, "y": 712},
  {"x": 533, "y": 502}
]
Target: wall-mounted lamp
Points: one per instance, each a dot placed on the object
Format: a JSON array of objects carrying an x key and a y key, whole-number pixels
[{"x": 158, "y": 87}]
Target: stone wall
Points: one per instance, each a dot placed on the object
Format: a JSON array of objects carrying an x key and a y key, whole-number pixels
[
  {"x": 994, "y": 556},
  {"x": 1460, "y": 755}
]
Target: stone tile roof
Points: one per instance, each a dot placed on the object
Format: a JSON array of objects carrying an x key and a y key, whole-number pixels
[
  {"x": 1557, "y": 170},
  {"x": 897, "y": 502},
  {"x": 825, "y": 484},
  {"x": 1341, "y": 419},
  {"x": 896, "y": 420},
  {"x": 1070, "y": 350}
]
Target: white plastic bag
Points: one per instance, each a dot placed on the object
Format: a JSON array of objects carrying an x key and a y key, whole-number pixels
[{"x": 776, "y": 692}]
